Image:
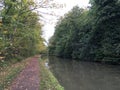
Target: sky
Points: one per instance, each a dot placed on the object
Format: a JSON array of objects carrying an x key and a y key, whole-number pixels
[{"x": 50, "y": 20}]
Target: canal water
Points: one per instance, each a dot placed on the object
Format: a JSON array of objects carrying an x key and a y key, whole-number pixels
[{"x": 74, "y": 75}]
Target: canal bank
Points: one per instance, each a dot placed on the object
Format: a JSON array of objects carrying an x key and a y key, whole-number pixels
[
  {"x": 78, "y": 75},
  {"x": 47, "y": 79}
]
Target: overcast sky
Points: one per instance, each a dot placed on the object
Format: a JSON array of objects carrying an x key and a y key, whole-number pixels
[{"x": 50, "y": 21}]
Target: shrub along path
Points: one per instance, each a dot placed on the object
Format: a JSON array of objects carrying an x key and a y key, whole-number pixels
[{"x": 29, "y": 78}]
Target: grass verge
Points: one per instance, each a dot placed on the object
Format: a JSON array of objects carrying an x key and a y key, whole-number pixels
[
  {"x": 48, "y": 81},
  {"x": 9, "y": 71}
]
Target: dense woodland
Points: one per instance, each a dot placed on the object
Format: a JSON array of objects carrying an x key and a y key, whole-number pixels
[
  {"x": 91, "y": 34},
  {"x": 20, "y": 30}
]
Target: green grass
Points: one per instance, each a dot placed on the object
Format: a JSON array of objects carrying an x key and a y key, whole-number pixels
[
  {"x": 9, "y": 71},
  {"x": 9, "y": 78},
  {"x": 48, "y": 81}
]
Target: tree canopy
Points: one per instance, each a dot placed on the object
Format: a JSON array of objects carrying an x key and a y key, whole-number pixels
[
  {"x": 20, "y": 30},
  {"x": 89, "y": 34}
]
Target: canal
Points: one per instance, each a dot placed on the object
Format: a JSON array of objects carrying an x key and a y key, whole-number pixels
[{"x": 77, "y": 75}]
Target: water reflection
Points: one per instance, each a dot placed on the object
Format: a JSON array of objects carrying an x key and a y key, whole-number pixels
[{"x": 74, "y": 75}]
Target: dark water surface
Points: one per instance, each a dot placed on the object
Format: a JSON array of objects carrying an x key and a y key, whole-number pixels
[{"x": 74, "y": 75}]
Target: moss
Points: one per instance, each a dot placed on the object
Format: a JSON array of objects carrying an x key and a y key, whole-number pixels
[{"x": 48, "y": 81}]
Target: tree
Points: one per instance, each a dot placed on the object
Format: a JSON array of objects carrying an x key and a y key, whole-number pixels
[
  {"x": 67, "y": 32},
  {"x": 21, "y": 30},
  {"x": 105, "y": 36},
  {"x": 90, "y": 34}
]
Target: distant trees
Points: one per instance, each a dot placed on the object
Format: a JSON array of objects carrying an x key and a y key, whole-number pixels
[
  {"x": 89, "y": 34},
  {"x": 20, "y": 32},
  {"x": 64, "y": 35}
]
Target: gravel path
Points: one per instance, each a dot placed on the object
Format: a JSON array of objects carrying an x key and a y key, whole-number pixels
[{"x": 29, "y": 78}]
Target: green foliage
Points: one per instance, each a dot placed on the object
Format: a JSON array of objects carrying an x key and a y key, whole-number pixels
[
  {"x": 20, "y": 32},
  {"x": 89, "y": 34},
  {"x": 65, "y": 32},
  {"x": 106, "y": 30}
]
